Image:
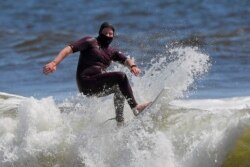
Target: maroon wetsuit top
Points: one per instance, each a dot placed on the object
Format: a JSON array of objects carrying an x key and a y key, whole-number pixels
[
  {"x": 93, "y": 58},
  {"x": 93, "y": 62}
]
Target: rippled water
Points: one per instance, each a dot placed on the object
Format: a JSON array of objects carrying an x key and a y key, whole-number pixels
[{"x": 198, "y": 48}]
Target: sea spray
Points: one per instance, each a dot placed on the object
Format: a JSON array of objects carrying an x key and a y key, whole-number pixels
[
  {"x": 73, "y": 133},
  {"x": 176, "y": 70}
]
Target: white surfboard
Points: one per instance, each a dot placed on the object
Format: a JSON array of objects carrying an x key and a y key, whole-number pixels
[{"x": 154, "y": 102}]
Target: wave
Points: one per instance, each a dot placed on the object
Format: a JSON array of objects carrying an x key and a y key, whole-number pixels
[
  {"x": 47, "y": 134},
  {"x": 41, "y": 132},
  {"x": 233, "y": 103}
]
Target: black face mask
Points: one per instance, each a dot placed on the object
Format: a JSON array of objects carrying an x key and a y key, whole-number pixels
[{"x": 104, "y": 40}]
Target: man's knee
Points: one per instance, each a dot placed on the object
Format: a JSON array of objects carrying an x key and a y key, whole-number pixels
[{"x": 121, "y": 76}]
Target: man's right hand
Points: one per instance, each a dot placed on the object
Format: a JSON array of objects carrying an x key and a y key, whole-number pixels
[{"x": 49, "y": 68}]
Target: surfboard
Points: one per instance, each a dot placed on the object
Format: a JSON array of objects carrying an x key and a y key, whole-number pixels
[{"x": 153, "y": 103}]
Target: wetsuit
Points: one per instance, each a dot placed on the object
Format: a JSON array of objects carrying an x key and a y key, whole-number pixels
[{"x": 92, "y": 78}]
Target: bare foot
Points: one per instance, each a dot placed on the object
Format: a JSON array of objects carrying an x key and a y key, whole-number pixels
[{"x": 140, "y": 107}]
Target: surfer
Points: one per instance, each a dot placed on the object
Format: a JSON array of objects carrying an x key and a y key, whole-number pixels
[{"x": 91, "y": 76}]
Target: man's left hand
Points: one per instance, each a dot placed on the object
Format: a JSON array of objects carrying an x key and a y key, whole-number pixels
[{"x": 135, "y": 70}]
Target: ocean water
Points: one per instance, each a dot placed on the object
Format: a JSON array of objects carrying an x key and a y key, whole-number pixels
[{"x": 198, "y": 50}]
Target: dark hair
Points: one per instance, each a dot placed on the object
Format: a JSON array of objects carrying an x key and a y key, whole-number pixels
[{"x": 105, "y": 25}]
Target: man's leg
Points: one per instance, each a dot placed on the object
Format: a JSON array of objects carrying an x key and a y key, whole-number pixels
[
  {"x": 119, "y": 101},
  {"x": 118, "y": 78},
  {"x": 103, "y": 84}
]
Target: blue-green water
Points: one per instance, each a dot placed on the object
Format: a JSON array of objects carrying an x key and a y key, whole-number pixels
[{"x": 199, "y": 49}]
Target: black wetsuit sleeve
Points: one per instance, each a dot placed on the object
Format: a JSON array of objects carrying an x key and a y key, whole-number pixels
[
  {"x": 119, "y": 56},
  {"x": 81, "y": 44}
]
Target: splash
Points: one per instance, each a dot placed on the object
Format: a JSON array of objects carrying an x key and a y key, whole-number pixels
[
  {"x": 176, "y": 70},
  {"x": 72, "y": 133}
]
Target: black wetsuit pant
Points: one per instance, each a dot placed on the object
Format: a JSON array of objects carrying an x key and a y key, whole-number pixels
[{"x": 107, "y": 83}]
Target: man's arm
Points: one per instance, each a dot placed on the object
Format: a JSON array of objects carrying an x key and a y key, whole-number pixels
[
  {"x": 51, "y": 67},
  {"x": 119, "y": 56}
]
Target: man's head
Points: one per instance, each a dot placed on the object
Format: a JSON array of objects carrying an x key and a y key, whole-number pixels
[
  {"x": 106, "y": 28},
  {"x": 106, "y": 34}
]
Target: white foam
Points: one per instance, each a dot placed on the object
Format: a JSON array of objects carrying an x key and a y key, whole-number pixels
[
  {"x": 178, "y": 75},
  {"x": 234, "y": 103}
]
